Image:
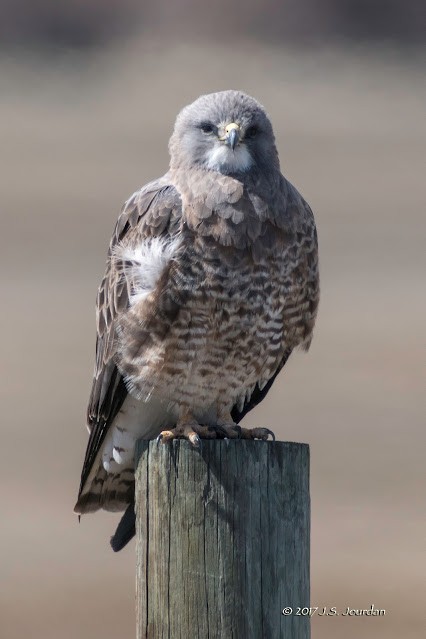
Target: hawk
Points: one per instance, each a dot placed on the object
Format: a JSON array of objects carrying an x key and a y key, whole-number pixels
[{"x": 211, "y": 282}]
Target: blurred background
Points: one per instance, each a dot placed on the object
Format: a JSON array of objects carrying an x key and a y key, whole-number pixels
[{"x": 89, "y": 93}]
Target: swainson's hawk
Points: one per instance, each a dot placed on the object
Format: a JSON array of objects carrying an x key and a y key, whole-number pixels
[{"x": 211, "y": 282}]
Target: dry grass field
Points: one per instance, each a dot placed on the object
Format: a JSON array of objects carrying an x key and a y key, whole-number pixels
[{"x": 78, "y": 135}]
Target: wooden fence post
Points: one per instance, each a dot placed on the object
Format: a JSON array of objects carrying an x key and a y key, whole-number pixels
[{"x": 222, "y": 540}]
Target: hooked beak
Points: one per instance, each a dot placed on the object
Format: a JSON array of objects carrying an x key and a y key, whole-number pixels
[{"x": 232, "y": 135}]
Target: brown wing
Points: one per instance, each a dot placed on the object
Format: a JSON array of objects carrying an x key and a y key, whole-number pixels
[
  {"x": 152, "y": 211},
  {"x": 295, "y": 214}
]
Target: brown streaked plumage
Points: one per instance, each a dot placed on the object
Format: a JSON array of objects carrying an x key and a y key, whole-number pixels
[{"x": 211, "y": 282}]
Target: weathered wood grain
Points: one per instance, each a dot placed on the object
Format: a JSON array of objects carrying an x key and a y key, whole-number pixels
[{"x": 222, "y": 540}]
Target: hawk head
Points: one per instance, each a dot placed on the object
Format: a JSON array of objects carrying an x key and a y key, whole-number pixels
[{"x": 228, "y": 132}]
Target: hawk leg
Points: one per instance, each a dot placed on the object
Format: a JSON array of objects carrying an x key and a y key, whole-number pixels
[
  {"x": 257, "y": 433},
  {"x": 230, "y": 429},
  {"x": 192, "y": 431},
  {"x": 226, "y": 428}
]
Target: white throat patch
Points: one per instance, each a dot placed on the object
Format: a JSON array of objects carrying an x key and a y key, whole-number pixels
[{"x": 223, "y": 157}]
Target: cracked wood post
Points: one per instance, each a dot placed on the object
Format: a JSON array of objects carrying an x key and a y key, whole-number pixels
[{"x": 222, "y": 540}]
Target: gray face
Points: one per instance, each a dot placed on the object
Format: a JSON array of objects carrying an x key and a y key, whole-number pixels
[{"x": 228, "y": 132}]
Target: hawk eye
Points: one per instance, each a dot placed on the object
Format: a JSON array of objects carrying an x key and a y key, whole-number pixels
[
  {"x": 252, "y": 131},
  {"x": 206, "y": 127}
]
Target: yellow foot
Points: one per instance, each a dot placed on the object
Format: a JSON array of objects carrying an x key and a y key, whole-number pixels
[
  {"x": 194, "y": 432},
  {"x": 233, "y": 431},
  {"x": 257, "y": 433}
]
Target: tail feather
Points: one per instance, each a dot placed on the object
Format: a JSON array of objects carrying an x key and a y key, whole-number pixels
[
  {"x": 126, "y": 529},
  {"x": 110, "y": 491}
]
